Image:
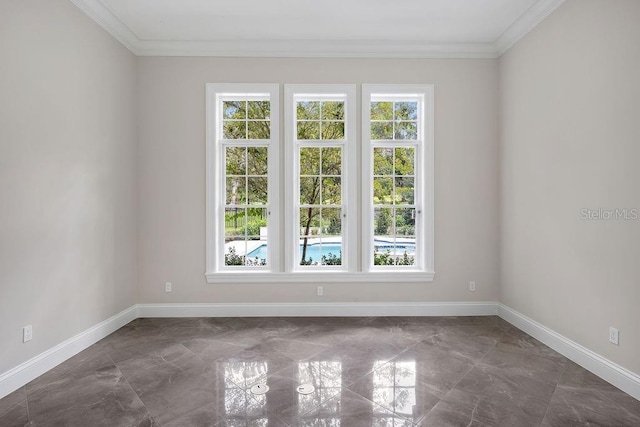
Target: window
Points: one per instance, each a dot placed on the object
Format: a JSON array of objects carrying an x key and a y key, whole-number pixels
[
  {"x": 242, "y": 166},
  {"x": 284, "y": 210},
  {"x": 320, "y": 144},
  {"x": 397, "y": 177}
]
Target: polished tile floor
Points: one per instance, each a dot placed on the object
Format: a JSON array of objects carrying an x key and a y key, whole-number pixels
[{"x": 397, "y": 371}]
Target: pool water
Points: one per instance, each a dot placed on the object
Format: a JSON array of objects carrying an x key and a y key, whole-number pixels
[{"x": 315, "y": 251}]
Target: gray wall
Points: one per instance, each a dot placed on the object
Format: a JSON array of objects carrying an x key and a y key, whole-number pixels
[
  {"x": 67, "y": 176},
  {"x": 172, "y": 175},
  {"x": 570, "y": 140}
]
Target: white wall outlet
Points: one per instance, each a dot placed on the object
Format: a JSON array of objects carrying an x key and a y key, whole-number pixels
[
  {"x": 320, "y": 291},
  {"x": 27, "y": 333},
  {"x": 613, "y": 335},
  {"x": 167, "y": 286},
  {"x": 472, "y": 286}
]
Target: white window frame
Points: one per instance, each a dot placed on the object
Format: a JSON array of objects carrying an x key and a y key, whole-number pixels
[
  {"x": 216, "y": 270},
  {"x": 424, "y": 179},
  {"x": 357, "y": 197},
  {"x": 349, "y": 190}
]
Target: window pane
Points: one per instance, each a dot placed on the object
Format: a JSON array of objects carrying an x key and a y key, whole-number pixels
[
  {"x": 309, "y": 161},
  {"x": 333, "y": 110},
  {"x": 257, "y": 160},
  {"x": 259, "y": 129},
  {"x": 258, "y": 190},
  {"x": 382, "y": 111},
  {"x": 393, "y": 145},
  {"x": 382, "y": 222},
  {"x": 406, "y": 111},
  {"x": 382, "y": 130},
  {"x": 308, "y": 110},
  {"x": 332, "y": 130},
  {"x": 256, "y": 219},
  {"x": 234, "y": 251},
  {"x": 308, "y": 130},
  {"x": 406, "y": 130},
  {"x": 256, "y": 253},
  {"x": 405, "y": 222},
  {"x": 382, "y": 190},
  {"x": 236, "y": 190},
  {"x": 310, "y": 190},
  {"x": 234, "y": 110},
  {"x": 259, "y": 109},
  {"x": 382, "y": 161},
  {"x": 234, "y": 130},
  {"x": 404, "y": 162},
  {"x": 405, "y": 253},
  {"x": 309, "y": 221},
  {"x": 330, "y": 253},
  {"x": 404, "y": 190},
  {"x": 234, "y": 222},
  {"x": 309, "y": 230},
  {"x": 384, "y": 250},
  {"x": 332, "y": 161},
  {"x": 331, "y": 191},
  {"x": 331, "y": 222},
  {"x": 235, "y": 160},
  {"x": 246, "y": 180}
]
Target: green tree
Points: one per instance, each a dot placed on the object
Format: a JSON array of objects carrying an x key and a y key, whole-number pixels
[{"x": 320, "y": 170}]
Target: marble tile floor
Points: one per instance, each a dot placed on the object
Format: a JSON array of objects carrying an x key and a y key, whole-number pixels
[{"x": 396, "y": 371}]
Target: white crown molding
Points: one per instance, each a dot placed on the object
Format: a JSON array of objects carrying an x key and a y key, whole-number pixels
[
  {"x": 525, "y": 23},
  {"x": 102, "y": 15},
  {"x": 22, "y": 374},
  {"x": 620, "y": 377},
  {"x": 314, "y": 49}
]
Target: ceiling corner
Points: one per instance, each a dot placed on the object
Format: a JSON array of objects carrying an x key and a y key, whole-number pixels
[
  {"x": 103, "y": 16},
  {"x": 525, "y": 23}
]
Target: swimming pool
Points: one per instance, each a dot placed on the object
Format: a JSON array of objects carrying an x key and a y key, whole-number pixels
[{"x": 315, "y": 251}]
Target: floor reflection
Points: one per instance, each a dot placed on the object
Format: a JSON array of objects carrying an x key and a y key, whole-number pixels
[
  {"x": 394, "y": 389},
  {"x": 326, "y": 378},
  {"x": 386, "y": 397},
  {"x": 241, "y": 409}
]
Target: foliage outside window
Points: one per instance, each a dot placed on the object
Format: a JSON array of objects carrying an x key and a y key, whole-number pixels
[
  {"x": 320, "y": 180},
  {"x": 398, "y": 173},
  {"x": 326, "y": 208}
]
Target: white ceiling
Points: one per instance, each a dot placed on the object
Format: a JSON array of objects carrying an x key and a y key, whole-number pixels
[{"x": 373, "y": 28}]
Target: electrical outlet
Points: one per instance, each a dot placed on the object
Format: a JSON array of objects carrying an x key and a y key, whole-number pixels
[
  {"x": 320, "y": 291},
  {"x": 472, "y": 286},
  {"x": 613, "y": 335},
  {"x": 167, "y": 286},
  {"x": 27, "y": 333}
]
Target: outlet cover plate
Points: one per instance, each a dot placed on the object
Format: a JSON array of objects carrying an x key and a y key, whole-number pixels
[{"x": 27, "y": 333}]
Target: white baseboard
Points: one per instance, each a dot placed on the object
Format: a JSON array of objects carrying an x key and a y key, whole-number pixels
[
  {"x": 337, "y": 309},
  {"x": 620, "y": 377},
  {"x": 604, "y": 368},
  {"x": 17, "y": 377}
]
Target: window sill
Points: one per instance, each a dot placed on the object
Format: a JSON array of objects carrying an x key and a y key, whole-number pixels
[{"x": 260, "y": 277}]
